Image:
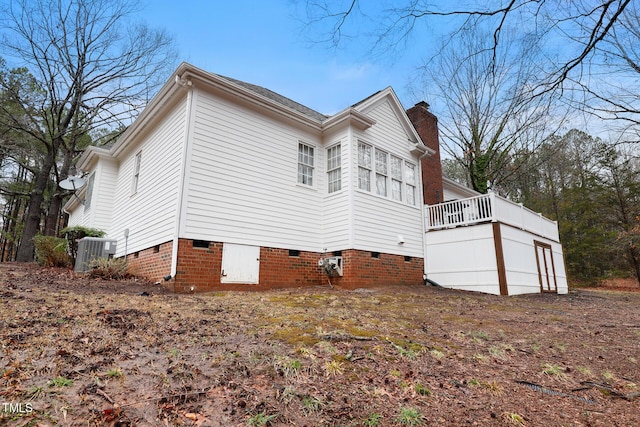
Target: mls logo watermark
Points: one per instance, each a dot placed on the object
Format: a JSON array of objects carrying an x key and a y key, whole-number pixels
[{"x": 16, "y": 408}]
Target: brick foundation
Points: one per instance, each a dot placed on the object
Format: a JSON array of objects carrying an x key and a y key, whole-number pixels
[
  {"x": 362, "y": 270},
  {"x": 199, "y": 268},
  {"x": 153, "y": 263}
]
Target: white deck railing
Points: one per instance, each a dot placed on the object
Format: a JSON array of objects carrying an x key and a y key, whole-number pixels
[{"x": 488, "y": 208}]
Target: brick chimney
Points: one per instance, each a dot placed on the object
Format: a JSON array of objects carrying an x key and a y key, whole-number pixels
[{"x": 426, "y": 125}]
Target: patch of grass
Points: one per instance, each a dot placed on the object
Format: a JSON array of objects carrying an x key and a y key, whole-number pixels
[
  {"x": 480, "y": 357},
  {"x": 553, "y": 371},
  {"x": 114, "y": 373},
  {"x": 287, "y": 395},
  {"x": 311, "y": 404},
  {"x": 409, "y": 417},
  {"x": 296, "y": 336},
  {"x": 437, "y": 354},
  {"x": 407, "y": 349},
  {"x": 333, "y": 368},
  {"x": 561, "y": 346},
  {"x": 496, "y": 352},
  {"x": 632, "y": 359},
  {"x": 422, "y": 390},
  {"x": 608, "y": 375},
  {"x": 34, "y": 392},
  {"x": 372, "y": 420},
  {"x": 174, "y": 352},
  {"x": 290, "y": 367},
  {"x": 305, "y": 352},
  {"x": 513, "y": 418},
  {"x": 479, "y": 336},
  {"x": 60, "y": 382},
  {"x": 473, "y": 382},
  {"x": 492, "y": 387},
  {"x": 585, "y": 371},
  {"x": 260, "y": 420}
]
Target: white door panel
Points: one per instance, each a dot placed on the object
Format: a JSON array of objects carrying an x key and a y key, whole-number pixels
[{"x": 240, "y": 264}]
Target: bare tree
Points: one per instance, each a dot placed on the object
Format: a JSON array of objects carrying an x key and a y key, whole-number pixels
[
  {"x": 488, "y": 111},
  {"x": 95, "y": 66},
  {"x": 612, "y": 88},
  {"x": 573, "y": 29}
]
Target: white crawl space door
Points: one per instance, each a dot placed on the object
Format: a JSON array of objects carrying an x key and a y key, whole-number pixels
[{"x": 240, "y": 264}]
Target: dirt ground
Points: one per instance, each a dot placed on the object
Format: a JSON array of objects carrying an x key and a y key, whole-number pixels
[{"x": 76, "y": 351}]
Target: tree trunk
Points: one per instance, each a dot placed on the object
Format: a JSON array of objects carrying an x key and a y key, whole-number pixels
[
  {"x": 52, "y": 221},
  {"x": 34, "y": 209},
  {"x": 53, "y": 215},
  {"x": 634, "y": 258}
]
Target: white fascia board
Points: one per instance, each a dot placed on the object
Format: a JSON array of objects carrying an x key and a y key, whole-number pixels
[
  {"x": 349, "y": 116},
  {"x": 164, "y": 95}
]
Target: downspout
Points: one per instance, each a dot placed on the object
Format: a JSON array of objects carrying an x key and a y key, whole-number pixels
[
  {"x": 186, "y": 156},
  {"x": 424, "y": 220}
]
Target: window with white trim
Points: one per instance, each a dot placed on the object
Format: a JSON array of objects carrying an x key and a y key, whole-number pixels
[
  {"x": 334, "y": 169},
  {"x": 136, "y": 173},
  {"x": 364, "y": 166},
  {"x": 381, "y": 173},
  {"x": 410, "y": 176},
  {"x": 89, "y": 193},
  {"x": 396, "y": 178},
  {"x": 305, "y": 164},
  {"x": 393, "y": 177}
]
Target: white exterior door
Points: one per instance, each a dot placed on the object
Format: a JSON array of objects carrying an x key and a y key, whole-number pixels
[{"x": 240, "y": 264}]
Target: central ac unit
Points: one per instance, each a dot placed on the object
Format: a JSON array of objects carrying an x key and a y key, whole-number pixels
[{"x": 90, "y": 248}]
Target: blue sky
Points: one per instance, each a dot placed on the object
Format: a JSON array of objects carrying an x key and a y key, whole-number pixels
[{"x": 263, "y": 42}]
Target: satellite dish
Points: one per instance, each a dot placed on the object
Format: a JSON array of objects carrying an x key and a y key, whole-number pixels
[{"x": 72, "y": 183}]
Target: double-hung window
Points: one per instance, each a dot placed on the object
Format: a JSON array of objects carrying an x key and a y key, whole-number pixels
[
  {"x": 334, "y": 169},
  {"x": 410, "y": 176},
  {"x": 381, "y": 173},
  {"x": 396, "y": 178},
  {"x": 305, "y": 164},
  {"x": 392, "y": 176},
  {"x": 364, "y": 166},
  {"x": 89, "y": 193},
  {"x": 136, "y": 173}
]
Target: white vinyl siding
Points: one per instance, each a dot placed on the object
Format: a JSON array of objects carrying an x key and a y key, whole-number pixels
[
  {"x": 378, "y": 221},
  {"x": 102, "y": 181},
  {"x": 336, "y": 206},
  {"x": 150, "y": 216},
  {"x": 334, "y": 169},
  {"x": 242, "y": 180},
  {"x": 305, "y": 164}
]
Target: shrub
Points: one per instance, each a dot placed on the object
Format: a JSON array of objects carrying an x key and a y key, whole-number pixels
[
  {"x": 51, "y": 251},
  {"x": 108, "y": 268},
  {"x": 75, "y": 233}
]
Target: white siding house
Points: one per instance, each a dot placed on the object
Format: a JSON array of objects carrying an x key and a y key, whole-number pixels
[
  {"x": 215, "y": 161},
  {"x": 221, "y": 184}
]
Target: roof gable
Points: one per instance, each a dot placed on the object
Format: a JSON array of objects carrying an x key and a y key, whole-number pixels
[{"x": 387, "y": 99}]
